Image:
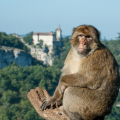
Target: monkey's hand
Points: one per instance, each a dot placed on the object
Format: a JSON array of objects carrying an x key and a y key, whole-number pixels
[{"x": 50, "y": 103}]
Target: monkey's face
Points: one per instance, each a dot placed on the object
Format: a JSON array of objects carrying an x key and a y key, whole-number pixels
[
  {"x": 83, "y": 46},
  {"x": 85, "y": 39}
]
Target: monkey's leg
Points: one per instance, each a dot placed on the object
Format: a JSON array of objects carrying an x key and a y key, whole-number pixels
[
  {"x": 72, "y": 102},
  {"x": 61, "y": 111},
  {"x": 76, "y": 103},
  {"x": 72, "y": 116}
]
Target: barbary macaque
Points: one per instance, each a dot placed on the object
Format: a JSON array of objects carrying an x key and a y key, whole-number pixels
[{"x": 89, "y": 83}]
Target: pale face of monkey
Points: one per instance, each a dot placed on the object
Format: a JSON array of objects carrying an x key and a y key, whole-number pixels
[
  {"x": 85, "y": 40},
  {"x": 83, "y": 46}
]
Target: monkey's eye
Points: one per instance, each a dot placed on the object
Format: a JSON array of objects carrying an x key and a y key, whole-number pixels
[
  {"x": 80, "y": 35},
  {"x": 88, "y": 36}
]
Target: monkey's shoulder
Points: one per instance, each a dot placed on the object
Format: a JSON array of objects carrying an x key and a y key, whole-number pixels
[
  {"x": 106, "y": 56},
  {"x": 69, "y": 56},
  {"x": 103, "y": 54},
  {"x": 101, "y": 57}
]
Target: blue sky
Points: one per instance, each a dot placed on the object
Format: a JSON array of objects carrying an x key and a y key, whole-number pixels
[{"x": 25, "y": 16}]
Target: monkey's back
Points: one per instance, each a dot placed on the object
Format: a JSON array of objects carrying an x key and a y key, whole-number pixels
[{"x": 100, "y": 94}]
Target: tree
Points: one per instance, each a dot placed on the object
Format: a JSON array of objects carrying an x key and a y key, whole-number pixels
[
  {"x": 41, "y": 43},
  {"x": 28, "y": 38},
  {"x": 46, "y": 49},
  {"x": 12, "y": 41}
]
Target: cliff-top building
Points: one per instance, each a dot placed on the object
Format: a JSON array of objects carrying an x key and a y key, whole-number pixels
[{"x": 49, "y": 39}]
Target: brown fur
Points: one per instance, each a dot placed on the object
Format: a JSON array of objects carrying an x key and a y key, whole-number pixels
[{"x": 89, "y": 84}]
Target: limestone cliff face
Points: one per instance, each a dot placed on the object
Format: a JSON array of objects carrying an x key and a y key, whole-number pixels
[
  {"x": 9, "y": 55},
  {"x": 41, "y": 55}
]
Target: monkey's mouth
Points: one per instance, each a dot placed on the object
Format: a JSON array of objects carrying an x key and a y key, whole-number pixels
[{"x": 83, "y": 51}]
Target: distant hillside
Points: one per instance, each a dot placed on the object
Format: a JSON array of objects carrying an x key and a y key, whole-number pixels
[{"x": 11, "y": 41}]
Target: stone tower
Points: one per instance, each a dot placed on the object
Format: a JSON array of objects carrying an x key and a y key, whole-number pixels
[{"x": 58, "y": 34}]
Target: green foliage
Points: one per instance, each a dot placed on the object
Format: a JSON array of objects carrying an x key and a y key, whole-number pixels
[
  {"x": 11, "y": 41},
  {"x": 28, "y": 38},
  {"x": 41, "y": 43},
  {"x": 16, "y": 82},
  {"x": 46, "y": 49},
  {"x": 61, "y": 53}
]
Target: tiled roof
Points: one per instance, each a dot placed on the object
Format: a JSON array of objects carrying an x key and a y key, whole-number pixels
[{"x": 41, "y": 33}]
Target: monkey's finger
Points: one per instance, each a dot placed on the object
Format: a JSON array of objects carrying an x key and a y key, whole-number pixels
[
  {"x": 42, "y": 107},
  {"x": 45, "y": 107},
  {"x": 43, "y": 99},
  {"x": 56, "y": 104},
  {"x": 42, "y": 104},
  {"x": 52, "y": 105}
]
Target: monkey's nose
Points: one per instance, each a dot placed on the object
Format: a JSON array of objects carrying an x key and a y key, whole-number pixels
[{"x": 83, "y": 42}]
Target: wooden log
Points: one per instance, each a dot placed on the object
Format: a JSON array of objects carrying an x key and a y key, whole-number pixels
[{"x": 35, "y": 96}]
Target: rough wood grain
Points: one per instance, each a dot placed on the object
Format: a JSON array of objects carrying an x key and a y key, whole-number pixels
[{"x": 35, "y": 96}]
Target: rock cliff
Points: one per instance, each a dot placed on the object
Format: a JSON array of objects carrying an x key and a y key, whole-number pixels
[{"x": 9, "y": 55}]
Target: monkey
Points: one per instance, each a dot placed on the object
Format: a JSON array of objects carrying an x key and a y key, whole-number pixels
[{"x": 89, "y": 83}]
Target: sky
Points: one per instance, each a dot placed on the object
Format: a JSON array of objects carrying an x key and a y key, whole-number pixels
[{"x": 24, "y": 16}]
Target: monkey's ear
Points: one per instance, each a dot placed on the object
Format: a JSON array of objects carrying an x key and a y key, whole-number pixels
[{"x": 74, "y": 29}]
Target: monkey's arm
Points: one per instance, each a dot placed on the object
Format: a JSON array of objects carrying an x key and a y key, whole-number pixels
[
  {"x": 57, "y": 96},
  {"x": 80, "y": 80},
  {"x": 55, "y": 100}
]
